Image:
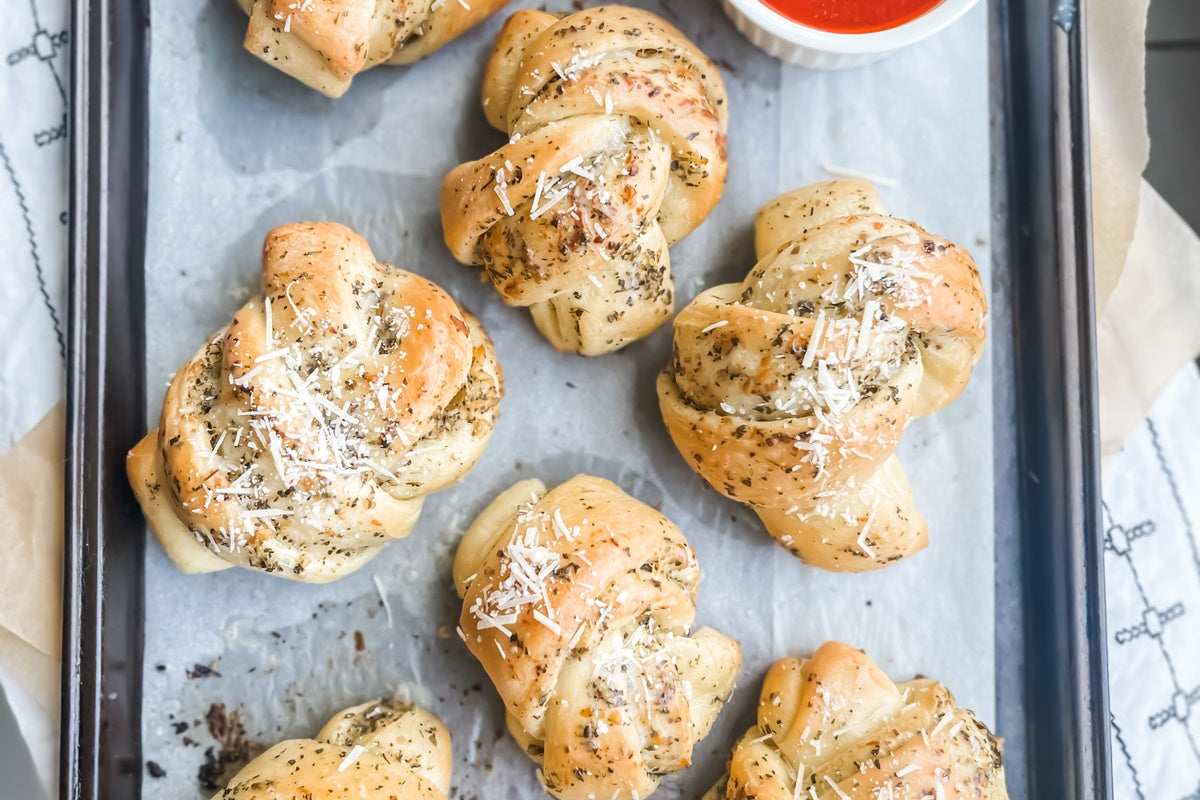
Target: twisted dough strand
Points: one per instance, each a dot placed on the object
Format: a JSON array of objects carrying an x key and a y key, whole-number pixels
[
  {"x": 578, "y": 602},
  {"x": 307, "y": 432},
  {"x": 378, "y": 749},
  {"x": 789, "y": 392},
  {"x": 325, "y": 43},
  {"x": 834, "y": 727},
  {"x": 617, "y": 151}
]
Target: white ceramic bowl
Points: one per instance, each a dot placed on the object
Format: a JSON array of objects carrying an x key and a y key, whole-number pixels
[{"x": 800, "y": 44}]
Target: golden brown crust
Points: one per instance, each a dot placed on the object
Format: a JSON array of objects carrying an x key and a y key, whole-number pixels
[
  {"x": 375, "y": 750},
  {"x": 834, "y": 727},
  {"x": 617, "y": 150},
  {"x": 578, "y": 602},
  {"x": 306, "y": 433},
  {"x": 790, "y": 391},
  {"x": 325, "y": 43}
]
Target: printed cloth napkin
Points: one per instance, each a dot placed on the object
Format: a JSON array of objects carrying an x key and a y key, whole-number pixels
[
  {"x": 34, "y": 86},
  {"x": 1151, "y": 518},
  {"x": 1148, "y": 269}
]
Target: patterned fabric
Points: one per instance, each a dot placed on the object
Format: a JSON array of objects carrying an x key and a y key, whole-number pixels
[
  {"x": 1152, "y": 571},
  {"x": 35, "y": 77}
]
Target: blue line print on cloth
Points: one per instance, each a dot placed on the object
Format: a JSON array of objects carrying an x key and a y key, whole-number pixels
[
  {"x": 1181, "y": 701},
  {"x": 33, "y": 251},
  {"x": 1179, "y": 708},
  {"x": 1151, "y": 624},
  {"x": 46, "y": 46},
  {"x": 1137, "y": 784},
  {"x": 1187, "y": 522}
]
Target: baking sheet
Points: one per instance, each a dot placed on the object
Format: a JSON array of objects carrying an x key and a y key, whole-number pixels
[{"x": 237, "y": 147}]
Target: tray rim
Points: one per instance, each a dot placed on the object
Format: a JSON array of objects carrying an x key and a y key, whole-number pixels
[
  {"x": 100, "y": 731},
  {"x": 1047, "y": 184},
  {"x": 1056, "y": 388}
]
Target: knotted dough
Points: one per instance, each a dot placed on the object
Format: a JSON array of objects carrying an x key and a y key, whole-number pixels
[
  {"x": 790, "y": 390},
  {"x": 304, "y": 435},
  {"x": 325, "y": 43},
  {"x": 617, "y": 150},
  {"x": 835, "y": 727},
  {"x": 579, "y": 603},
  {"x": 381, "y": 749}
]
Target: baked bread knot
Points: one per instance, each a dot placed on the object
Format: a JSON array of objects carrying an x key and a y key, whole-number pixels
[
  {"x": 305, "y": 434},
  {"x": 617, "y": 151},
  {"x": 379, "y": 749},
  {"x": 579, "y": 602},
  {"x": 325, "y": 43},
  {"x": 789, "y": 391},
  {"x": 834, "y": 727}
]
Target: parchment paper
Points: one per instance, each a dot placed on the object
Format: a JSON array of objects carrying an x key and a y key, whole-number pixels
[
  {"x": 31, "y": 525},
  {"x": 237, "y": 147},
  {"x": 1120, "y": 143},
  {"x": 31, "y": 519}
]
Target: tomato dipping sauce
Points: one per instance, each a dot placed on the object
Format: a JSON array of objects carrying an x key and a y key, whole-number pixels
[{"x": 851, "y": 16}]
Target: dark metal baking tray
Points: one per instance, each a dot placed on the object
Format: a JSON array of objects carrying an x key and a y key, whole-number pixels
[{"x": 1052, "y": 703}]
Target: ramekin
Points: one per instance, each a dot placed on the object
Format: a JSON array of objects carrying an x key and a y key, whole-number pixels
[{"x": 817, "y": 49}]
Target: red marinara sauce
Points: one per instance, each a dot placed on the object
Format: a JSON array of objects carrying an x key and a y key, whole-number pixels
[{"x": 851, "y": 16}]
